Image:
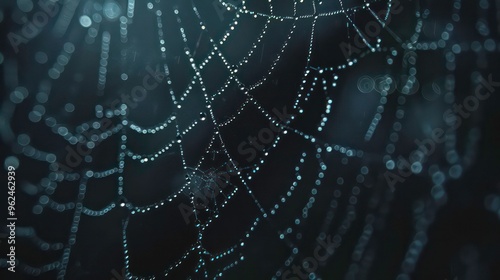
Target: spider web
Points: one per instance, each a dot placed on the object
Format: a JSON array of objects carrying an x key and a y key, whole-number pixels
[{"x": 197, "y": 139}]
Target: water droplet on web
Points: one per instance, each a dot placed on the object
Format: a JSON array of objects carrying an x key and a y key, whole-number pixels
[
  {"x": 11, "y": 161},
  {"x": 111, "y": 10},
  {"x": 85, "y": 21}
]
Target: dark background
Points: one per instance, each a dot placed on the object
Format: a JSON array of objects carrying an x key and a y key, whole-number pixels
[{"x": 461, "y": 235}]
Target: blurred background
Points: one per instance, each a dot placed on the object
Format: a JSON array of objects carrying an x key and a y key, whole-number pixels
[{"x": 233, "y": 139}]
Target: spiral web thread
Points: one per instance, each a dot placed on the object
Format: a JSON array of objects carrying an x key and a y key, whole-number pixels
[{"x": 315, "y": 80}]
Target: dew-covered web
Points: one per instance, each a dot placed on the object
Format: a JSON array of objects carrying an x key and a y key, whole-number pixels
[{"x": 284, "y": 125}]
